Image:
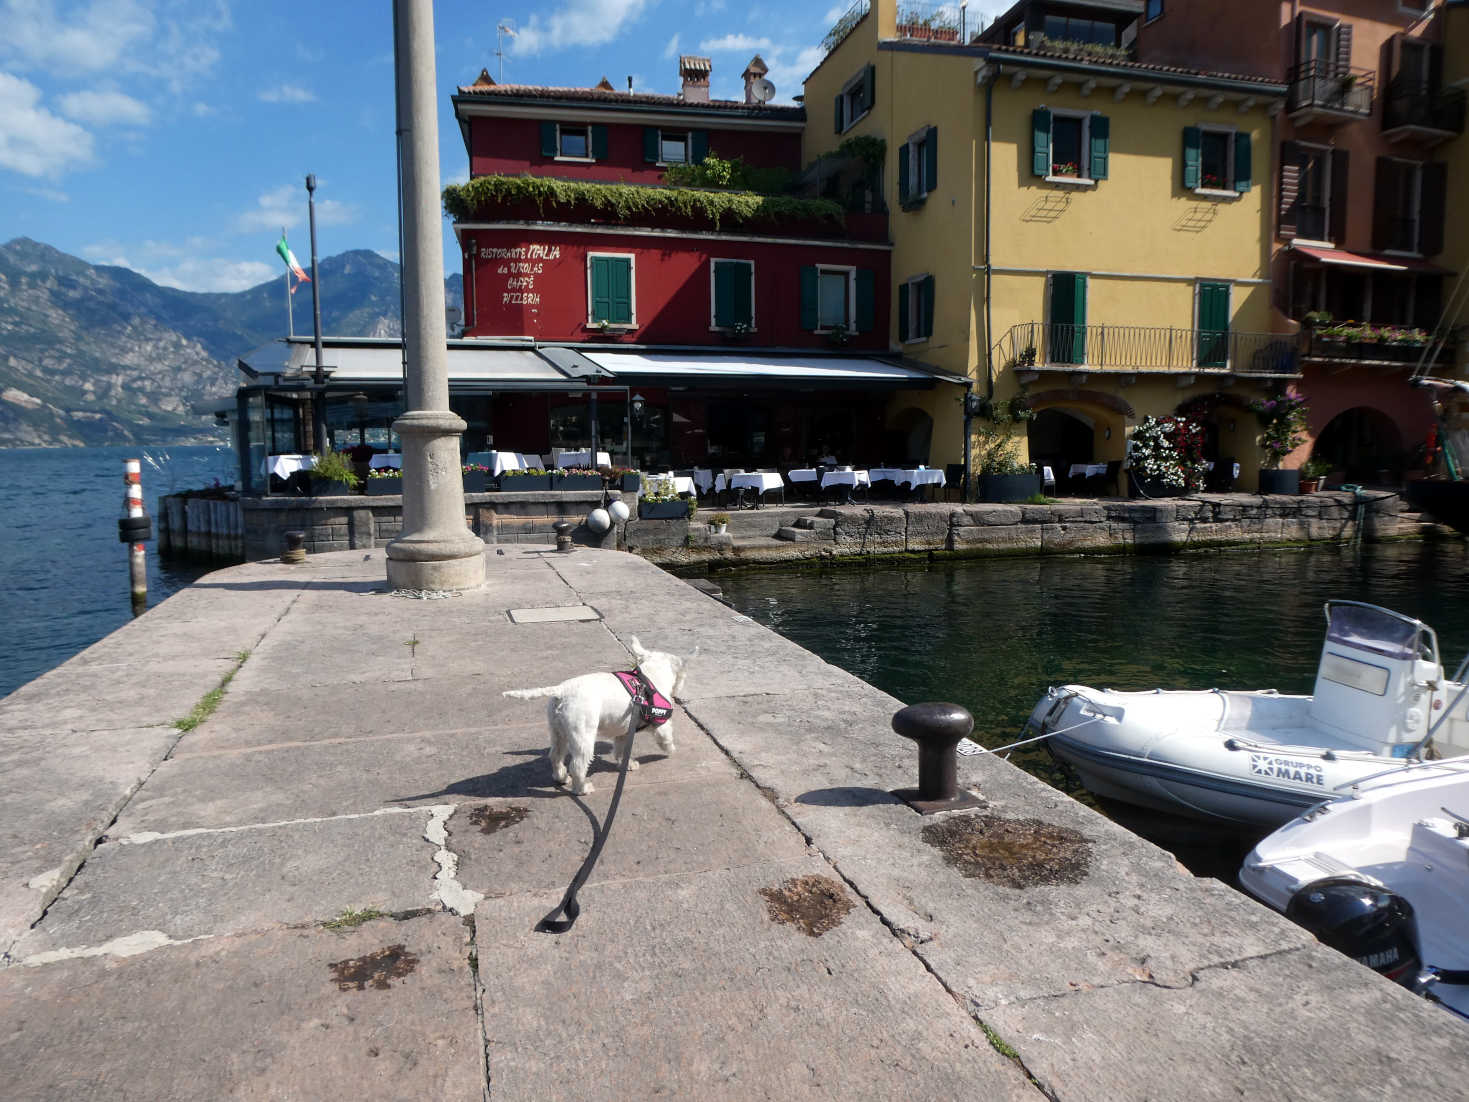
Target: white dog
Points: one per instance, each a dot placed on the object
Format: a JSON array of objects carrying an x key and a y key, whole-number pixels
[{"x": 582, "y": 708}]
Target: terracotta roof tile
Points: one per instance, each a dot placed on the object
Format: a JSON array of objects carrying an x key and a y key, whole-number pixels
[
  {"x": 1147, "y": 66},
  {"x": 611, "y": 98}
]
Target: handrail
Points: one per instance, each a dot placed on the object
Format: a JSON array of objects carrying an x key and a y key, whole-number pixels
[
  {"x": 1142, "y": 347},
  {"x": 1319, "y": 83},
  {"x": 1451, "y": 764}
]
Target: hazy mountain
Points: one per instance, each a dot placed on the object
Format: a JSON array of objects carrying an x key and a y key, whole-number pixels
[{"x": 102, "y": 355}]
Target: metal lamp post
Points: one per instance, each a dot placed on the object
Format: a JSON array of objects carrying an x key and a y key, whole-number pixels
[
  {"x": 318, "y": 405},
  {"x": 436, "y": 551}
]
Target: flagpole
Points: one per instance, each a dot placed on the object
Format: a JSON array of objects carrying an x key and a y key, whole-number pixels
[
  {"x": 290, "y": 313},
  {"x": 319, "y": 414}
]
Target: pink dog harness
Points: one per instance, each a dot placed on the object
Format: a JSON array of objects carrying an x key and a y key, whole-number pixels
[{"x": 654, "y": 709}]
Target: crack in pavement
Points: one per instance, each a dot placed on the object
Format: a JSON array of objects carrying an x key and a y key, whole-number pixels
[{"x": 453, "y": 895}]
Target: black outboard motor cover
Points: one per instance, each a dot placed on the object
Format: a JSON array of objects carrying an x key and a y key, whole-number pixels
[{"x": 1370, "y": 924}]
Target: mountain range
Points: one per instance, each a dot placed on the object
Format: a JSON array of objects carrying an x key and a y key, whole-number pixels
[{"x": 97, "y": 354}]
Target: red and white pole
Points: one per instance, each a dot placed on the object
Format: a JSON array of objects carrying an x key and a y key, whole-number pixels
[{"x": 133, "y": 529}]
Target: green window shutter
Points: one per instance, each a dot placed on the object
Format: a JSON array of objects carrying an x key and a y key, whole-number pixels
[
  {"x": 839, "y": 115},
  {"x": 621, "y": 290},
  {"x": 905, "y": 185},
  {"x": 931, "y": 159},
  {"x": 548, "y": 139},
  {"x": 925, "y": 299},
  {"x": 601, "y": 289},
  {"x": 1243, "y": 158},
  {"x": 698, "y": 146},
  {"x": 650, "y": 144},
  {"x": 732, "y": 293},
  {"x": 903, "y": 290},
  {"x": 1193, "y": 156},
  {"x": 809, "y": 315},
  {"x": 1068, "y": 317},
  {"x": 869, "y": 87},
  {"x": 599, "y": 143},
  {"x": 1101, "y": 133},
  {"x": 1040, "y": 130},
  {"x": 866, "y": 300},
  {"x": 744, "y": 294},
  {"x": 1213, "y": 324}
]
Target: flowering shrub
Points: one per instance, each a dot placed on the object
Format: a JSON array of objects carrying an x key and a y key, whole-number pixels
[
  {"x": 1363, "y": 333},
  {"x": 383, "y": 472},
  {"x": 476, "y": 468},
  {"x": 1282, "y": 425},
  {"x": 1168, "y": 449}
]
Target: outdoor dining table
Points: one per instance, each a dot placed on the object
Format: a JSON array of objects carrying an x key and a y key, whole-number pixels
[
  {"x": 284, "y": 466},
  {"x": 387, "y": 461},
  {"x": 580, "y": 458},
  {"x": 681, "y": 484},
  {"x": 704, "y": 479},
  {"x": 912, "y": 477},
  {"x": 845, "y": 478},
  {"x": 759, "y": 481},
  {"x": 1086, "y": 470}
]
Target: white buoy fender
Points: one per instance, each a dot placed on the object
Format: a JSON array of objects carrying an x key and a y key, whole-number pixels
[
  {"x": 619, "y": 511},
  {"x": 598, "y": 520}
]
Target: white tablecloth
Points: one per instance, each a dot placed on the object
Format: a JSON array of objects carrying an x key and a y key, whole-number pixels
[
  {"x": 582, "y": 458},
  {"x": 682, "y": 484},
  {"x": 284, "y": 466},
  {"x": 845, "y": 478},
  {"x": 921, "y": 476},
  {"x": 754, "y": 480},
  {"x": 386, "y": 461},
  {"x": 802, "y": 474},
  {"x": 1086, "y": 470},
  {"x": 704, "y": 479}
]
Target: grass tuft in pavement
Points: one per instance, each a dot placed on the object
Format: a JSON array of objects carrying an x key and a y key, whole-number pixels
[
  {"x": 210, "y": 700},
  {"x": 349, "y": 919}
]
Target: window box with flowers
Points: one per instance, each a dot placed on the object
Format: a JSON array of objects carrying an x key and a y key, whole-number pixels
[
  {"x": 476, "y": 478},
  {"x": 625, "y": 479},
  {"x": 525, "y": 481},
  {"x": 386, "y": 481},
  {"x": 576, "y": 478},
  {"x": 1282, "y": 419},
  {"x": 661, "y": 502},
  {"x": 1165, "y": 457}
]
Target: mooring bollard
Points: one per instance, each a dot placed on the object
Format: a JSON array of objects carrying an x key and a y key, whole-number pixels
[
  {"x": 295, "y": 551},
  {"x": 133, "y": 527},
  {"x": 937, "y": 729},
  {"x": 563, "y": 534}
]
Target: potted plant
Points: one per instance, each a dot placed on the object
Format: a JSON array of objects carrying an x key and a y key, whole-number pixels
[
  {"x": 332, "y": 475},
  {"x": 838, "y": 334},
  {"x": 476, "y": 478},
  {"x": 1313, "y": 471},
  {"x": 385, "y": 481},
  {"x": 577, "y": 478},
  {"x": 1002, "y": 474},
  {"x": 625, "y": 479},
  {"x": 1165, "y": 457},
  {"x": 1282, "y": 430},
  {"x": 661, "y": 502},
  {"x": 533, "y": 478},
  {"x": 720, "y": 523}
]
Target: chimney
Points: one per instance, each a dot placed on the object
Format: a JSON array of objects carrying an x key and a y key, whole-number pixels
[
  {"x": 695, "y": 74},
  {"x": 753, "y": 72}
]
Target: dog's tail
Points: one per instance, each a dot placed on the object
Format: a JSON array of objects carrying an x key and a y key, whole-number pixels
[{"x": 532, "y": 694}]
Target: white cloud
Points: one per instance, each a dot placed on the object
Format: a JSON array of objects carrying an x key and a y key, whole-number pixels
[
  {"x": 741, "y": 42},
  {"x": 50, "y": 194},
  {"x": 33, "y": 141},
  {"x": 671, "y": 50},
  {"x": 387, "y": 255},
  {"x": 577, "y": 23},
  {"x": 105, "y": 108},
  {"x": 286, "y": 93},
  {"x": 789, "y": 74},
  {"x": 286, "y": 206}
]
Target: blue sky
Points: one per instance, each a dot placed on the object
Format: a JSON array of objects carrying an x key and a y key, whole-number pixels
[{"x": 174, "y": 136}]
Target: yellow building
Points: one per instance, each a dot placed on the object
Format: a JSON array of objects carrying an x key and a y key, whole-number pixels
[{"x": 1069, "y": 225}]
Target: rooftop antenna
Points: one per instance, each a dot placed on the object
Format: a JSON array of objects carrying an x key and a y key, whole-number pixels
[{"x": 501, "y": 30}]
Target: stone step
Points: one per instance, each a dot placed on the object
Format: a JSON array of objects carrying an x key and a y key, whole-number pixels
[
  {"x": 822, "y": 524},
  {"x": 794, "y": 535}
]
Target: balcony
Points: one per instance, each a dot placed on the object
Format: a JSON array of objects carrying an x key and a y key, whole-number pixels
[
  {"x": 845, "y": 24},
  {"x": 1040, "y": 347},
  {"x": 1363, "y": 345},
  {"x": 1412, "y": 112},
  {"x": 1322, "y": 91}
]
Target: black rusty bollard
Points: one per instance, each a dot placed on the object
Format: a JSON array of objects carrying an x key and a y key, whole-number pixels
[
  {"x": 563, "y": 534},
  {"x": 937, "y": 728},
  {"x": 295, "y": 551}
]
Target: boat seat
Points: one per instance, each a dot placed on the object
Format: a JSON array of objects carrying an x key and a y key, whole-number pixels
[{"x": 1244, "y": 712}]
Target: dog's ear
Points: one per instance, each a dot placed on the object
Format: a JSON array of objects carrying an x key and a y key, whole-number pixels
[{"x": 638, "y": 650}]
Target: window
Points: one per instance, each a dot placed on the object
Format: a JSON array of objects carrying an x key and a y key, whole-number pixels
[
  {"x": 856, "y": 98},
  {"x": 610, "y": 296},
  {"x": 732, "y": 294},
  {"x": 1314, "y": 206},
  {"x": 1397, "y": 206},
  {"x": 838, "y": 296},
  {"x": 1318, "y": 50},
  {"x": 1313, "y": 192},
  {"x": 918, "y": 167},
  {"x": 1413, "y": 67},
  {"x": 1066, "y": 332},
  {"x": 915, "y": 309},
  {"x": 1152, "y": 10},
  {"x": 674, "y": 147},
  {"x": 1070, "y": 145},
  {"x": 1216, "y": 160},
  {"x": 1068, "y": 29},
  {"x": 573, "y": 141}
]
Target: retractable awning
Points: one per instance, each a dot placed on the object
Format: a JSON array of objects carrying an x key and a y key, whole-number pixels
[
  {"x": 367, "y": 361},
  {"x": 1376, "y": 262},
  {"x": 748, "y": 370}
]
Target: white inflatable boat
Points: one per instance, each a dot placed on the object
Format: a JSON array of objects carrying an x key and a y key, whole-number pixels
[
  {"x": 1382, "y": 875},
  {"x": 1259, "y": 759}
]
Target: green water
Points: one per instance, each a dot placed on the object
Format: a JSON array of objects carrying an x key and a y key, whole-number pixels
[{"x": 992, "y": 634}]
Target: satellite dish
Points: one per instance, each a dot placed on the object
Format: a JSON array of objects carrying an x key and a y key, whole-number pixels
[{"x": 764, "y": 90}]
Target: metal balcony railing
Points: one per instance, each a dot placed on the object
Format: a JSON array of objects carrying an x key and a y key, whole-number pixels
[
  {"x": 843, "y": 26},
  {"x": 1324, "y": 87},
  {"x": 1369, "y": 344},
  {"x": 933, "y": 22},
  {"x": 1148, "y": 348},
  {"x": 1410, "y": 105}
]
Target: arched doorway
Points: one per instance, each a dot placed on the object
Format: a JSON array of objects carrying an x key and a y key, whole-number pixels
[
  {"x": 1362, "y": 442},
  {"x": 1060, "y": 437},
  {"x": 909, "y": 437}
]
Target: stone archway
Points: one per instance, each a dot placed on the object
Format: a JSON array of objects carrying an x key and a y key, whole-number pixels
[
  {"x": 1363, "y": 443},
  {"x": 911, "y": 432},
  {"x": 1058, "y": 437}
]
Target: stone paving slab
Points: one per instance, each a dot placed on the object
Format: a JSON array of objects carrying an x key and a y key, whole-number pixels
[
  {"x": 59, "y": 793},
  {"x": 80, "y": 696},
  {"x": 629, "y": 1004},
  {"x": 275, "y": 783},
  {"x": 225, "y": 882},
  {"x": 1266, "y": 1029},
  {"x": 260, "y": 1016}
]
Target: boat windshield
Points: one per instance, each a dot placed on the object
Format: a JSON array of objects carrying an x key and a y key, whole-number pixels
[{"x": 1373, "y": 629}]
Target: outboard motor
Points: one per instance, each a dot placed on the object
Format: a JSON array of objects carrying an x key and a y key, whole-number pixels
[{"x": 1370, "y": 924}]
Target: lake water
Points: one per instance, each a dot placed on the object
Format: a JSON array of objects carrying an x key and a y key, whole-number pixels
[
  {"x": 65, "y": 573},
  {"x": 992, "y": 634}
]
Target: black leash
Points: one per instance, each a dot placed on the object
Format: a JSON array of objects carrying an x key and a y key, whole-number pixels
[{"x": 572, "y": 909}]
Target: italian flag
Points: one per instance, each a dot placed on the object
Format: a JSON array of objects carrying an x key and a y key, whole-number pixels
[{"x": 291, "y": 262}]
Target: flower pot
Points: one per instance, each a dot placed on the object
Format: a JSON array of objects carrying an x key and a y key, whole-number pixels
[
  {"x": 1280, "y": 481},
  {"x": 721, "y": 529},
  {"x": 524, "y": 483},
  {"x": 385, "y": 485},
  {"x": 1310, "y": 485},
  {"x": 663, "y": 510},
  {"x": 1008, "y": 487},
  {"x": 631, "y": 482},
  {"x": 1142, "y": 486},
  {"x": 578, "y": 482},
  {"x": 476, "y": 482}
]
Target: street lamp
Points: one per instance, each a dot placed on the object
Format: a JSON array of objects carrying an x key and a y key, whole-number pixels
[{"x": 637, "y": 405}]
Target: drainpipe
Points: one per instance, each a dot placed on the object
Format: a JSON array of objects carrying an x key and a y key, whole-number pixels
[{"x": 989, "y": 125}]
